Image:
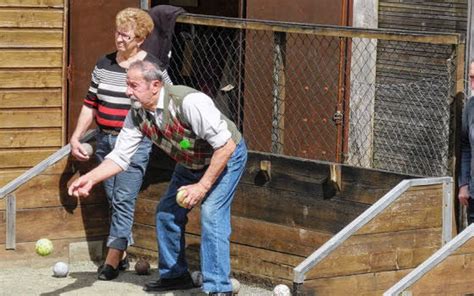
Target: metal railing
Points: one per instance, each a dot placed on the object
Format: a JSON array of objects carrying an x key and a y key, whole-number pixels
[
  {"x": 365, "y": 97},
  {"x": 376, "y": 209},
  {"x": 403, "y": 286},
  {"x": 8, "y": 190}
]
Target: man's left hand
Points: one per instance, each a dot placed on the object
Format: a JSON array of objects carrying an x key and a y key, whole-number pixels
[{"x": 195, "y": 194}]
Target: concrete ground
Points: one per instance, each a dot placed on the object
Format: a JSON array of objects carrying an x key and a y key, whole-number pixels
[{"x": 82, "y": 280}]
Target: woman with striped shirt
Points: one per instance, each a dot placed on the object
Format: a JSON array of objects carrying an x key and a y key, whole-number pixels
[{"x": 107, "y": 104}]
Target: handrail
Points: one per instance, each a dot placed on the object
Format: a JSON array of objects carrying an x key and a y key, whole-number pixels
[
  {"x": 370, "y": 213},
  {"x": 431, "y": 262},
  {"x": 324, "y": 30},
  {"x": 42, "y": 166}
]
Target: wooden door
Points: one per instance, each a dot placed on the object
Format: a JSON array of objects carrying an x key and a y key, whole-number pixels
[
  {"x": 91, "y": 35},
  {"x": 313, "y": 74}
]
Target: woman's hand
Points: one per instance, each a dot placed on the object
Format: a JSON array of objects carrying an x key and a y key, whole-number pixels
[{"x": 78, "y": 151}]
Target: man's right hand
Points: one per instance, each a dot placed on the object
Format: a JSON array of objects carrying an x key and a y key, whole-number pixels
[
  {"x": 463, "y": 195},
  {"x": 78, "y": 151},
  {"x": 81, "y": 187}
]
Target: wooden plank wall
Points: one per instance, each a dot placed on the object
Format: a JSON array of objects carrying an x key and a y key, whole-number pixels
[
  {"x": 435, "y": 16},
  {"x": 32, "y": 83},
  {"x": 400, "y": 143},
  {"x": 45, "y": 210},
  {"x": 276, "y": 224},
  {"x": 385, "y": 249},
  {"x": 450, "y": 276}
]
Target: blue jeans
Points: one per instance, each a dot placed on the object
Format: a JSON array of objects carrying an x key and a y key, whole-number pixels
[
  {"x": 122, "y": 190},
  {"x": 171, "y": 220}
]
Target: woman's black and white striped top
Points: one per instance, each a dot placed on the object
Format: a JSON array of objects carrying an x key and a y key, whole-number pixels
[{"x": 107, "y": 91}]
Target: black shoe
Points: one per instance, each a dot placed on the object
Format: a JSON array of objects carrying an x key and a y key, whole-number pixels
[
  {"x": 107, "y": 273},
  {"x": 124, "y": 264},
  {"x": 183, "y": 282},
  {"x": 221, "y": 293}
]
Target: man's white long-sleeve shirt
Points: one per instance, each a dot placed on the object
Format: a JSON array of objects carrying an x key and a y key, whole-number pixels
[{"x": 198, "y": 110}]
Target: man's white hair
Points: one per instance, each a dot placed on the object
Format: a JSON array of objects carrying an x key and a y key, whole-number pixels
[{"x": 149, "y": 70}]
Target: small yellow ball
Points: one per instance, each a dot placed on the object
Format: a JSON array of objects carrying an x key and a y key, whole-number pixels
[
  {"x": 44, "y": 247},
  {"x": 181, "y": 198}
]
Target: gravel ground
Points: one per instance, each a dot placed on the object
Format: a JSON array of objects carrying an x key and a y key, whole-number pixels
[{"x": 82, "y": 280}]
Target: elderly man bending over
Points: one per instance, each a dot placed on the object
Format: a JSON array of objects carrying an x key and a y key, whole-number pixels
[{"x": 211, "y": 156}]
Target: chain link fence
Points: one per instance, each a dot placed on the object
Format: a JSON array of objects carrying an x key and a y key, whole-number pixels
[{"x": 373, "y": 99}]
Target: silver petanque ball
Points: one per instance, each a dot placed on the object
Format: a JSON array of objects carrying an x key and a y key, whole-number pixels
[
  {"x": 88, "y": 148},
  {"x": 60, "y": 269}
]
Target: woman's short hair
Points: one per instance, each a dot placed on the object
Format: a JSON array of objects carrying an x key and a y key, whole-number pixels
[{"x": 136, "y": 19}]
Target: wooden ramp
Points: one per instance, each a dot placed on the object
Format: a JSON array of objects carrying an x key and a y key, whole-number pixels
[
  {"x": 383, "y": 244},
  {"x": 447, "y": 272}
]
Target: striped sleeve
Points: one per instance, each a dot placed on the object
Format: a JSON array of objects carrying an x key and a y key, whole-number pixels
[{"x": 91, "y": 99}]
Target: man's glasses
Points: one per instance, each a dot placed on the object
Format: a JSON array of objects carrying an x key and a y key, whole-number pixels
[{"x": 125, "y": 37}]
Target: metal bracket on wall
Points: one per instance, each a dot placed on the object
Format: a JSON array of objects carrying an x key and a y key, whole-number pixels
[{"x": 335, "y": 175}]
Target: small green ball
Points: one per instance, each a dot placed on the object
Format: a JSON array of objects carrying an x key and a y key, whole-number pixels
[
  {"x": 44, "y": 247},
  {"x": 184, "y": 144}
]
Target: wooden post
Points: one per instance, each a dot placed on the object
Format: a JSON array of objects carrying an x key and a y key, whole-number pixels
[
  {"x": 362, "y": 86},
  {"x": 278, "y": 117},
  {"x": 11, "y": 222},
  {"x": 145, "y": 4},
  {"x": 460, "y": 61}
]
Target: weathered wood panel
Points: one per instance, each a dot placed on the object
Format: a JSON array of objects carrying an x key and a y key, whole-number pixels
[
  {"x": 30, "y": 98},
  {"x": 57, "y": 223},
  {"x": 50, "y": 117},
  {"x": 419, "y": 208},
  {"x": 30, "y": 18},
  {"x": 45, "y": 137},
  {"x": 400, "y": 238},
  {"x": 51, "y": 191},
  {"x": 7, "y": 175},
  {"x": 451, "y": 275},
  {"x": 31, "y": 38},
  {"x": 32, "y": 43},
  {"x": 434, "y": 16},
  {"x": 23, "y": 158},
  {"x": 379, "y": 252},
  {"x": 246, "y": 231},
  {"x": 295, "y": 209},
  {"x": 368, "y": 284},
  {"x": 366, "y": 186},
  {"x": 244, "y": 258},
  {"x": 23, "y": 58},
  {"x": 288, "y": 175},
  {"x": 32, "y": 3},
  {"x": 272, "y": 205},
  {"x": 30, "y": 78},
  {"x": 277, "y": 224}
]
